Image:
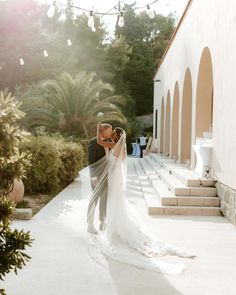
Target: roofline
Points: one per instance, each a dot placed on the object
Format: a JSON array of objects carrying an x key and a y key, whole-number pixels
[{"x": 173, "y": 36}]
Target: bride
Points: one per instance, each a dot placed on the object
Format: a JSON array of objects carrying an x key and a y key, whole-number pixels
[{"x": 125, "y": 237}]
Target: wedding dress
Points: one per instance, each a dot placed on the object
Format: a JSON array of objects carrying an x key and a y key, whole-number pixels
[{"x": 126, "y": 237}]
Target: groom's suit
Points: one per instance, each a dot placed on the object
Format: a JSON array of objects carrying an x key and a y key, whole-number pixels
[{"x": 95, "y": 153}]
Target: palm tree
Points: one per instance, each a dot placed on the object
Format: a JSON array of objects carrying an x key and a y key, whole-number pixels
[{"x": 76, "y": 105}]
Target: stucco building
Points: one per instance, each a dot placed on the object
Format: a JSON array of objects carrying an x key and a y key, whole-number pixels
[{"x": 194, "y": 93}]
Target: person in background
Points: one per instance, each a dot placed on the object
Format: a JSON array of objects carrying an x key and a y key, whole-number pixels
[{"x": 142, "y": 140}]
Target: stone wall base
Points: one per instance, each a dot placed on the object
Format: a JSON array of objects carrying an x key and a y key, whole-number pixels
[{"x": 227, "y": 197}]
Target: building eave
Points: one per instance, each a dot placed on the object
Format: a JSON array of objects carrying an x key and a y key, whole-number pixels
[{"x": 173, "y": 36}]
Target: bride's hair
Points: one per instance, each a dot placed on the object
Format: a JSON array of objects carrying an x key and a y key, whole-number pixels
[{"x": 119, "y": 131}]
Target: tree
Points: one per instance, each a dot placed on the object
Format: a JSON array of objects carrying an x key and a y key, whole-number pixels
[
  {"x": 12, "y": 165},
  {"x": 118, "y": 55},
  {"x": 21, "y": 37},
  {"x": 74, "y": 106},
  {"x": 148, "y": 39}
]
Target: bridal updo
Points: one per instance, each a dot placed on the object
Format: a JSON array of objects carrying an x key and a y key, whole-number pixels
[{"x": 117, "y": 133}]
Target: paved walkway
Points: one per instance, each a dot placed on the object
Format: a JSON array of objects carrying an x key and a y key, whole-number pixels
[{"x": 65, "y": 262}]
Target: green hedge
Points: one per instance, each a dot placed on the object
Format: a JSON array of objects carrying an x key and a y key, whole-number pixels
[
  {"x": 72, "y": 160},
  {"x": 55, "y": 163}
]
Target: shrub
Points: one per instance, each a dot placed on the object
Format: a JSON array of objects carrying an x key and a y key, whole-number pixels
[
  {"x": 13, "y": 243},
  {"x": 72, "y": 160},
  {"x": 41, "y": 177},
  {"x": 55, "y": 163}
]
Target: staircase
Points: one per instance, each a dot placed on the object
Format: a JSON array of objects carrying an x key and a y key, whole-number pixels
[{"x": 173, "y": 189}]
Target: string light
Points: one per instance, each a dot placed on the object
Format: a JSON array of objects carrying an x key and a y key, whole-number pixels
[
  {"x": 69, "y": 43},
  {"x": 51, "y": 10},
  {"x": 150, "y": 12},
  {"x": 91, "y": 19},
  {"x": 121, "y": 22},
  {"x": 22, "y": 61},
  {"x": 62, "y": 17},
  {"x": 45, "y": 53}
]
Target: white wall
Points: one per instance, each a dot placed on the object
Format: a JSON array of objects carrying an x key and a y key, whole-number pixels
[{"x": 211, "y": 24}]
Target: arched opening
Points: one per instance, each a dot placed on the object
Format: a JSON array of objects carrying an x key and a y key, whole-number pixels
[
  {"x": 186, "y": 119},
  {"x": 162, "y": 127},
  {"x": 204, "y": 95},
  {"x": 167, "y": 125},
  {"x": 175, "y": 122}
]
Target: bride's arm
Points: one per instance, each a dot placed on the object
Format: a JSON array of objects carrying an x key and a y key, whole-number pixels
[{"x": 100, "y": 141}]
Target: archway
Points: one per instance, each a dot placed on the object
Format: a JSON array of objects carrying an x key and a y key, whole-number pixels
[
  {"x": 167, "y": 124},
  {"x": 204, "y": 95},
  {"x": 186, "y": 119},
  {"x": 175, "y": 122},
  {"x": 162, "y": 127}
]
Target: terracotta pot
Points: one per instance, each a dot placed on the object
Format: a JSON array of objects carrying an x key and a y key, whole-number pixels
[{"x": 17, "y": 193}]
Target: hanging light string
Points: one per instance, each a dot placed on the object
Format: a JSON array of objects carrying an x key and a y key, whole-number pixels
[
  {"x": 97, "y": 12},
  {"x": 120, "y": 14}
]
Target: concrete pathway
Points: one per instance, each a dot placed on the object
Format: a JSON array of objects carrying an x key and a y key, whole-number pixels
[{"x": 66, "y": 262}]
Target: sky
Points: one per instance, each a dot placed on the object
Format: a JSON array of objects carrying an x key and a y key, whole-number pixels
[{"x": 161, "y": 6}]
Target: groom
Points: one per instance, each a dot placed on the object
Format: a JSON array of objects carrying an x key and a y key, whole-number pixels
[{"x": 95, "y": 153}]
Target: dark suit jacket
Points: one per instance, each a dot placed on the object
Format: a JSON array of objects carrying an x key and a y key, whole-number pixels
[{"x": 95, "y": 151}]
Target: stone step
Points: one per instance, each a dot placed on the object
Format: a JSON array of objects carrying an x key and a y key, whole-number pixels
[
  {"x": 179, "y": 189},
  {"x": 147, "y": 168},
  {"x": 191, "y": 201},
  {"x": 154, "y": 207},
  {"x": 161, "y": 159},
  {"x": 188, "y": 177},
  {"x": 23, "y": 213},
  {"x": 167, "y": 198},
  {"x": 140, "y": 173},
  {"x": 153, "y": 163}
]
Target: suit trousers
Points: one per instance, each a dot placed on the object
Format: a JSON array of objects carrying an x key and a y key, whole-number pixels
[{"x": 101, "y": 196}]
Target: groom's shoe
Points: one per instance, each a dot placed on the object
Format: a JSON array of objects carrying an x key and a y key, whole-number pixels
[
  {"x": 102, "y": 226},
  {"x": 91, "y": 229}
]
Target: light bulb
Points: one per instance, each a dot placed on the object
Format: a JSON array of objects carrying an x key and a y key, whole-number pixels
[
  {"x": 51, "y": 10},
  {"x": 62, "y": 17},
  {"x": 69, "y": 43},
  {"x": 45, "y": 53},
  {"x": 150, "y": 12},
  {"x": 94, "y": 29},
  {"x": 121, "y": 22},
  {"x": 91, "y": 20},
  {"x": 22, "y": 61}
]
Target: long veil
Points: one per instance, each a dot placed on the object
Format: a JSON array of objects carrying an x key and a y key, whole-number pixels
[
  {"x": 126, "y": 237},
  {"x": 102, "y": 167}
]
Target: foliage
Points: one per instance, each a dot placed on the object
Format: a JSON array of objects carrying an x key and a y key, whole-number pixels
[
  {"x": 13, "y": 164},
  {"x": 22, "y": 37},
  {"x": 55, "y": 163},
  {"x": 23, "y": 204},
  {"x": 42, "y": 174},
  {"x": 148, "y": 39},
  {"x": 72, "y": 160},
  {"x": 135, "y": 128},
  {"x": 75, "y": 105},
  {"x": 126, "y": 61},
  {"x": 118, "y": 54}
]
